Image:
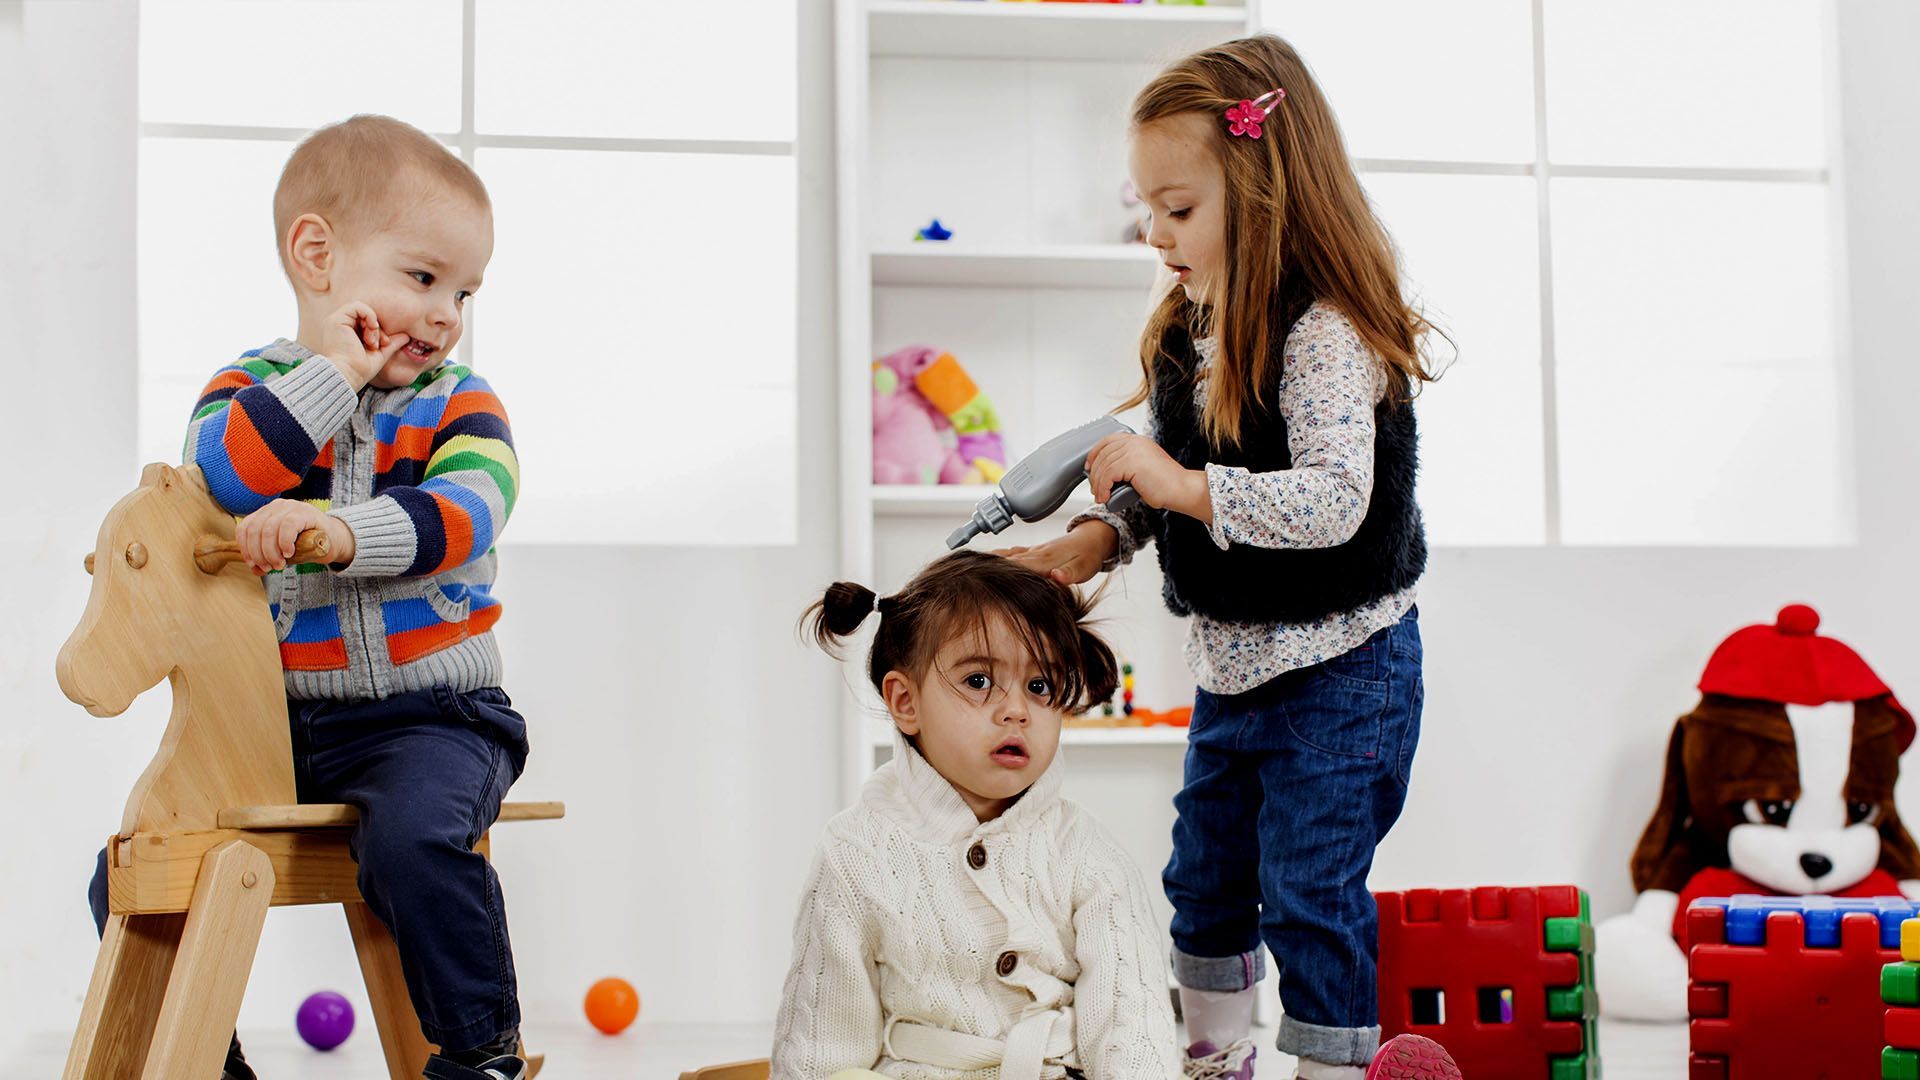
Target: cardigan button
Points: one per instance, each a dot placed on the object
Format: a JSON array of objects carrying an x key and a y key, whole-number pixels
[
  {"x": 977, "y": 856},
  {"x": 1007, "y": 962}
]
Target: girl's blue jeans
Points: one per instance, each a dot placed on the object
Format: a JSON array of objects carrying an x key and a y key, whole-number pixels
[{"x": 1289, "y": 788}]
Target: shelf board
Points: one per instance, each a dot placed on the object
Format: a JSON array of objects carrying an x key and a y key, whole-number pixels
[
  {"x": 1054, "y": 266},
  {"x": 1158, "y": 735},
  {"x": 990, "y": 29},
  {"x": 926, "y": 500}
]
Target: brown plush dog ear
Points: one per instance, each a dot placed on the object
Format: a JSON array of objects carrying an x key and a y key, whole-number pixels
[
  {"x": 1872, "y": 772},
  {"x": 1664, "y": 859}
]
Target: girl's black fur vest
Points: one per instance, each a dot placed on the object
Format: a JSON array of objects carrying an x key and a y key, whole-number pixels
[{"x": 1291, "y": 585}]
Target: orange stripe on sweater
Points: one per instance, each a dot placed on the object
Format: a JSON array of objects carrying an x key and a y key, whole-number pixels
[
  {"x": 408, "y": 442},
  {"x": 239, "y": 380},
  {"x": 468, "y": 402},
  {"x": 253, "y": 462},
  {"x": 409, "y": 645},
  {"x": 457, "y": 527},
  {"x": 313, "y": 655}
]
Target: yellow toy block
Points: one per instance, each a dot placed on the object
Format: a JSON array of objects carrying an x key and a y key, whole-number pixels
[{"x": 1910, "y": 940}]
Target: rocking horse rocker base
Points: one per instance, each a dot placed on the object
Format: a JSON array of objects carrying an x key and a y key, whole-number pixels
[{"x": 211, "y": 837}]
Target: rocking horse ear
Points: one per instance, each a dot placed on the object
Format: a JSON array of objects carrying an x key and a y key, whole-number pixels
[{"x": 159, "y": 474}]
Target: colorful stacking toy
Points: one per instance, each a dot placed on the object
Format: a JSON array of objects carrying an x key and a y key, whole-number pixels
[
  {"x": 1783, "y": 986},
  {"x": 1502, "y": 977}
]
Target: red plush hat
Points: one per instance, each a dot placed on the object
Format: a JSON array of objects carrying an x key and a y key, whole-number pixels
[{"x": 1789, "y": 663}]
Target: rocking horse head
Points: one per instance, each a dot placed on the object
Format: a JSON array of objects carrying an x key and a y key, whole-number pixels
[
  {"x": 167, "y": 602},
  {"x": 146, "y": 613}
]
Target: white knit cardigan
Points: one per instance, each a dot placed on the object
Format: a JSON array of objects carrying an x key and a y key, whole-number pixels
[{"x": 902, "y": 919}]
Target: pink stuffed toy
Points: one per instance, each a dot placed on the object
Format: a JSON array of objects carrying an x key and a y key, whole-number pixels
[
  {"x": 907, "y": 448},
  {"x": 913, "y": 441}
]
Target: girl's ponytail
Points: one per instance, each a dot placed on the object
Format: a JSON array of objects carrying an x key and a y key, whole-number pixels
[{"x": 838, "y": 614}]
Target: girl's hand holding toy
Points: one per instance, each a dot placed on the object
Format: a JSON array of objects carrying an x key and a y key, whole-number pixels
[{"x": 1161, "y": 481}]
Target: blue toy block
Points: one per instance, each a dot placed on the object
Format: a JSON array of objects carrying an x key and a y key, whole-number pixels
[{"x": 1747, "y": 916}]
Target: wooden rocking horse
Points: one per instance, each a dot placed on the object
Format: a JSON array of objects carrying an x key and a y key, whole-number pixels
[{"x": 211, "y": 837}]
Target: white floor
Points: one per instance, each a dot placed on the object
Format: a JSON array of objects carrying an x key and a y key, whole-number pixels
[{"x": 577, "y": 1052}]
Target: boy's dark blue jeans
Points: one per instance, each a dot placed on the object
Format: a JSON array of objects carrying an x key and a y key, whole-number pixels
[
  {"x": 1288, "y": 789},
  {"x": 428, "y": 770}
]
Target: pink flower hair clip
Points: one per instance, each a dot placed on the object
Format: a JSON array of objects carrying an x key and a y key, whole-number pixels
[{"x": 1246, "y": 117}]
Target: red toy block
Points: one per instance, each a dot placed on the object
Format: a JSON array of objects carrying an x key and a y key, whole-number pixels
[
  {"x": 1783, "y": 1009},
  {"x": 1903, "y": 1028},
  {"x": 1472, "y": 970}
]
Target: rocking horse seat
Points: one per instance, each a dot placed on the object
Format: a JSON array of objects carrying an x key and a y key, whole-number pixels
[
  {"x": 152, "y": 873},
  {"x": 340, "y": 815}
]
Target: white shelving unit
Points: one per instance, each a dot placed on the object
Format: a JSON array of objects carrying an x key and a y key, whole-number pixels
[
  {"x": 1007, "y": 122},
  {"x": 1046, "y": 31}
]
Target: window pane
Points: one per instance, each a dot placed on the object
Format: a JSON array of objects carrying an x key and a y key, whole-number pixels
[
  {"x": 211, "y": 286},
  {"x": 1707, "y": 83},
  {"x": 1698, "y": 389},
  {"x": 300, "y": 63},
  {"x": 638, "y": 321},
  {"x": 657, "y": 69},
  {"x": 1445, "y": 82},
  {"x": 1470, "y": 246}
]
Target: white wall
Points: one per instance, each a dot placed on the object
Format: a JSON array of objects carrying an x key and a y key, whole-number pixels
[
  {"x": 669, "y": 702},
  {"x": 67, "y": 361},
  {"x": 695, "y": 740}
]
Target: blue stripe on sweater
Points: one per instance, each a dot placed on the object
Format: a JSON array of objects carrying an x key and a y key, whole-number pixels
[{"x": 222, "y": 482}]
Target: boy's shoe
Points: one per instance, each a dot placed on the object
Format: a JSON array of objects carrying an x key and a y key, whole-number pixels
[
  {"x": 1412, "y": 1057},
  {"x": 504, "y": 1067},
  {"x": 1206, "y": 1061},
  {"x": 236, "y": 1067}
]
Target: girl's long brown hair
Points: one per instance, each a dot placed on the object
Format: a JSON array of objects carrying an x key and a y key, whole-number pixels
[{"x": 1298, "y": 229}]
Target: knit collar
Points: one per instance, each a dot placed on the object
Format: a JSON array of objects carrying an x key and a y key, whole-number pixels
[{"x": 911, "y": 792}]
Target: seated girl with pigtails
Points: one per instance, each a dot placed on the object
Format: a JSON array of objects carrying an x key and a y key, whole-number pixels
[{"x": 963, "y": 920}]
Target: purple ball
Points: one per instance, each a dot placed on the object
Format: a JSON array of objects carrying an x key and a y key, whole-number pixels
[{"x": 325, "y": 1020}]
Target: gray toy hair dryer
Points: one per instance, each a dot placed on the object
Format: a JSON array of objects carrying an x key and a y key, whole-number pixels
[{"x": 1042, "y": 481}]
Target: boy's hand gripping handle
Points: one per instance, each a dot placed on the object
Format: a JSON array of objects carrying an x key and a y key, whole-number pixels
[{"x": 1042, "y": 481}]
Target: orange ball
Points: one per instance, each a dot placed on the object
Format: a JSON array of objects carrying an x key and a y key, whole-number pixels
[{"x": 612, "y": 1004}]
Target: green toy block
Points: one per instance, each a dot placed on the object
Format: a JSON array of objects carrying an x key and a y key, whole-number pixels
[
  {"x": 1899, "y": 1064},
  {"x": 1900, "y": 983},
  {"x": 1569, "y": 1003},
  {"x": 1573, "y": 1067},
  {"x": 1569, "y": 934}
]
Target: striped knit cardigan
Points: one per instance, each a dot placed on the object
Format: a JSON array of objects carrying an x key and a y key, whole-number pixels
[{"x": 424, "y": 475}]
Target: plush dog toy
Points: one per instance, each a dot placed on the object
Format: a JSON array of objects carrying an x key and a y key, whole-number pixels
[
  {"x": 931, "y": 424},
  {"x": 1779, "y": 782}
]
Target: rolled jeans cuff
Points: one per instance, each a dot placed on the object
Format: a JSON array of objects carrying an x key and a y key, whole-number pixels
[
  {"x": 1219, "y": 973},
  {"x": 1328, "y": 1045}
]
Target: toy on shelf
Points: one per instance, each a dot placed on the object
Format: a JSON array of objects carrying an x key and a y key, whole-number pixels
[
  {"x": 931, "y": 423},
  {"x": 1785, "y": 985},
  {"x": 1900, "y": 990},
  {"x": 1502, "y": 977},
  {"x": 612, "y": 1004},
  {"x": 325, "y": 1020},
  {"x": 1180, "y": 717},
  {"x": 935, "y": 231}
]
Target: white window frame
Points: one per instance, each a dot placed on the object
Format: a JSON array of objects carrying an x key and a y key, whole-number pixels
[{"x": 1545, "y": 171}]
